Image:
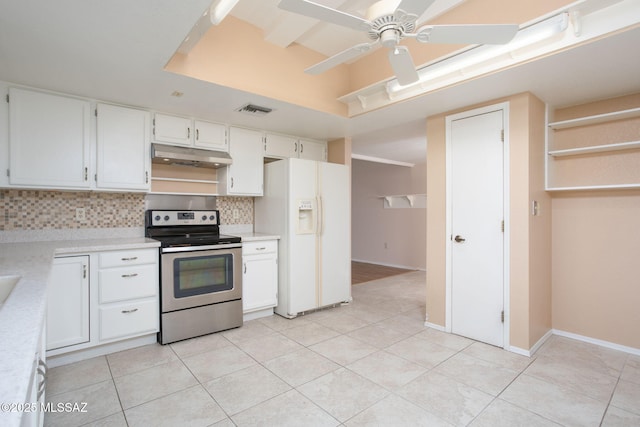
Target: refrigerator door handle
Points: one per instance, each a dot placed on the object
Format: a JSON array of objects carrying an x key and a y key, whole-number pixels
[{"x": 320, "y": 215}]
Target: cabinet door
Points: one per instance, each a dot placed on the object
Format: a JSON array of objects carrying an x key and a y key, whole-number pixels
[
  {"x": 312, "y": 150},
  {"x": 211, "y": 135},
  {"x": 280, "y": 147},
  {"x": 123, "y": 148},
  {"x": 259, "y": 282},
  {"x": 68, "y": 302},
  {"x": 172, "y": 129},
  {"x": 49, "y": 144},
  {"x": 245, "y": 174}
]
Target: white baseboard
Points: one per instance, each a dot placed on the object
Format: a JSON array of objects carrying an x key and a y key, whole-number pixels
[
  {"x": 534, "y": 348},
  {"x": 601, "y": 343},
  {"x": 434, "y": 326},
  {"x": 405, "y": 267}
]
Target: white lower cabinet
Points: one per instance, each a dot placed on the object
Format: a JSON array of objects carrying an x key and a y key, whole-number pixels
[
  {"x": 259, "y": 275},
  {"x": 128, "y": 290},
  {"x": 101, "y": 298},
  {"x": 68, "y": 302}
]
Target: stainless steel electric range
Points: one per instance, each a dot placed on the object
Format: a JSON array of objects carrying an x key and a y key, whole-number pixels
[{"x": 200, "y": 273}]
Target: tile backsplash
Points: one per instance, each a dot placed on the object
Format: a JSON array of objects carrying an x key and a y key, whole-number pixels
[
  {"x": 41, "y": 210},
  {"x": 56, "y": 210},
  {"x": 235, "y": 210}
]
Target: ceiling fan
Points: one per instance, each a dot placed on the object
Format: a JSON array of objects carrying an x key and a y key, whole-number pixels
[{"x": 388, "y": 22}]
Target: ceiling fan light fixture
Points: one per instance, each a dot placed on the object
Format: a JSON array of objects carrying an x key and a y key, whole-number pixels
[{"x": 389, "y": 38}]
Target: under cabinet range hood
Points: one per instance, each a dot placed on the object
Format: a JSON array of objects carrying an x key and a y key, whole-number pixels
[{"x": 185, "y": 156}]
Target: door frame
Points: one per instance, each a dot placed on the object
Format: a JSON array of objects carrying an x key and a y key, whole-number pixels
[{"x": 504, "y": 107}]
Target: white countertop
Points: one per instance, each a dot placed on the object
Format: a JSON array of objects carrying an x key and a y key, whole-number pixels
[
  {"x": 23, "y": 313},
  {"x": 254, "y": 237}
]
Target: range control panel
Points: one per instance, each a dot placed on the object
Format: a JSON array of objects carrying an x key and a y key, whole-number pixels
[{"x": 198, "y": 217}]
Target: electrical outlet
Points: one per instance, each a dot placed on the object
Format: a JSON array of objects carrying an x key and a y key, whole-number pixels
[
  {"x": 80, "y": 214},
  {"x": 236, "y": 214}
]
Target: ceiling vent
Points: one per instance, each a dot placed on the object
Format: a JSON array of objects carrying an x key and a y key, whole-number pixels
[{"x": 254, "y": 110}]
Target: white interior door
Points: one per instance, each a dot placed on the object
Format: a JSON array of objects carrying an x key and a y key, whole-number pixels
[{"x": 477, "y": 228}]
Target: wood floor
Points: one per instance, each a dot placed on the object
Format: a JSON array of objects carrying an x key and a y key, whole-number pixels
[{"x": 362, "y": 272}]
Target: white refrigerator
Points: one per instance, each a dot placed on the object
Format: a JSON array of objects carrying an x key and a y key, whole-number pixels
[{"x": 308, "y": 203}]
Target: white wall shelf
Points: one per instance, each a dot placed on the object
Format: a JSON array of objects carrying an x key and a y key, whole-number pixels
[
  {"x": 596, "y": 149},
  {"x": 610, "y": 166},
  {"x": 201, "y": 181},
  {"x": 595, "y": 119},
  {"x": 405, "y": 201}
]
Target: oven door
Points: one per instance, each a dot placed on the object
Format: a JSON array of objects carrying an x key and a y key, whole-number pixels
[{"x": 192, "y": 278}]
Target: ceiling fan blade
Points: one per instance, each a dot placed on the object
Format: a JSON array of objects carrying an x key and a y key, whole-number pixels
[
  {"x": 324, "y": 13},
  {"x": 413, "y": 8},
  {"x": 339, "y": 58},
  {"x": 402, "y": 65},
  {"x": 467, "y": 34}
]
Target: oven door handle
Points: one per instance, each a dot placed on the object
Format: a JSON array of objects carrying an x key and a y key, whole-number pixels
[{"x": 201, "y": 248}]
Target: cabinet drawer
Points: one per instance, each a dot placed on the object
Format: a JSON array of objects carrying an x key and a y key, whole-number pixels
[
  {"x": 119, "y": 284},
  {"x": 130, "y": 319},
  {"x": 259, "y": 247},
  {"x": 122, "y": 258}
]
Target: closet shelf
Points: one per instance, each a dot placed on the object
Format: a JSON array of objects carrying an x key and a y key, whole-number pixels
[
  {"x": 598, "y": 118},
  {"x": 405, "y": 201},
  {"x": 596, "y": 149}
]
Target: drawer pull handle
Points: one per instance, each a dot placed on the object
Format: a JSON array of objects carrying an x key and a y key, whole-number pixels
[
  {"x": 133, "y": 310},
  {"x": 262, "y": 248},
  {"x": 130, "y": 275},
  {"x": 133, "y": 258}
]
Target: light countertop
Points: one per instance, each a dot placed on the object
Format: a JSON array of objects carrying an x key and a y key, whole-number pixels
[
  {"x": 255, "y": 237},
  {"x": 23, "y": 313}
]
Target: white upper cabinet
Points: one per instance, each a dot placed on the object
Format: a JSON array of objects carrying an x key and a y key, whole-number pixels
[
  {"x": 280, "y": 146},
  {"x": 312, "y": 150},
  {"x": 123, "y": 153},
  {"x": 211, "y": 136},
  {"x": 244, "y": 177},
  {"x": 188, "y": 132},
  {"x": 284, "y": 147},
  {"x": 49, "y": 140},
  {"x": 172, "y": 129}
]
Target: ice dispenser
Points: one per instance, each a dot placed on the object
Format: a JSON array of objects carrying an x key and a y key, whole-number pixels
[{"x": 306, "y": 216}]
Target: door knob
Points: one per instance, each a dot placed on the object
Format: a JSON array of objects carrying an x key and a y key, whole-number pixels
[{"x": 459, "y": 239}]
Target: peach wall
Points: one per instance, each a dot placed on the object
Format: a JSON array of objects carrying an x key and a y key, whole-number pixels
[
  {"x": 339, "y": 151},
  {"x": 436, "y": 220},
  {"x": 530, "y": 297},
  {"x": 540, "y": 234},
  {"x": 596, "y": 248},
  {"x": 235, "y": 55}
]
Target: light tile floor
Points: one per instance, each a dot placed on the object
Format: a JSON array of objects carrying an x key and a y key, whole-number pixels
[{"x": 369, "y": 363}]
